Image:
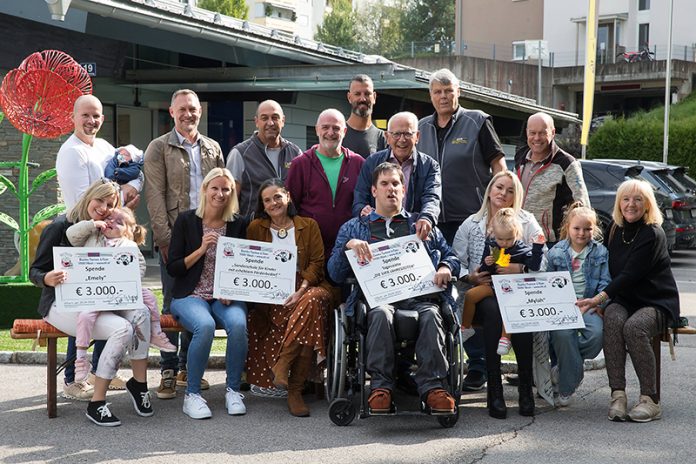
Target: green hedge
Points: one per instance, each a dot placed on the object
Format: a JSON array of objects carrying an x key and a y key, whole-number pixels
[
  {"x": 18, "y": 301},
  {"x": 641, "y": 136}
]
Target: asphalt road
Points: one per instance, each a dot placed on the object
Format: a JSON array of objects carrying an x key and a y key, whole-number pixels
[{"x": 268, "y": 434}]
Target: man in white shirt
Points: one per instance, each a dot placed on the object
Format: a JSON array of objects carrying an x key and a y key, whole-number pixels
[
  {"x": 81, "y": 161},
  {"x": 82, "y": 158}
]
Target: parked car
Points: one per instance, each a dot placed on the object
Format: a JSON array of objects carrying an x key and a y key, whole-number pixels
[
  {"x": 603, "y": 179},
  {"x": 661, "y": 177}
]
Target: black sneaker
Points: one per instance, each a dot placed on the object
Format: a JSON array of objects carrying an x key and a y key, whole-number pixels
[
  {"x": 140, "y": 396},
  {"x": 474, "y": 381},
  {"x": 99, "y": 413}
]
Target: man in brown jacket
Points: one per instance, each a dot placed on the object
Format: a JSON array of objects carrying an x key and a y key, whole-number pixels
[{"x": 175, "y": 165}]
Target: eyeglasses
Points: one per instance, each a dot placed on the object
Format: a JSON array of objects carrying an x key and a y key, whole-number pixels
[{"x": 406, "y": 135}]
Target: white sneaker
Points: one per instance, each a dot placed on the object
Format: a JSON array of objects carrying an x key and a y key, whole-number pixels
[
  {"x": 233, "y": 402},
  {"x": 565, "y": 400},
  {"x": 196, "y": 407},
  {"x": 267, "y": 392}
]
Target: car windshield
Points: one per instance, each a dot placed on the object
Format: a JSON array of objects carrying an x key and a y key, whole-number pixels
[
  {"x": 685, "y": 180},
  {"x": 670, "y": 181}
]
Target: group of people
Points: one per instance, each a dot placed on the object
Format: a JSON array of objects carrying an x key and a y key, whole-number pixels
[{"x": 442, "y": 178}]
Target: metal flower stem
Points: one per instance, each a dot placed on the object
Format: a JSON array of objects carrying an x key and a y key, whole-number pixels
[{"x": 23, "y": 196}]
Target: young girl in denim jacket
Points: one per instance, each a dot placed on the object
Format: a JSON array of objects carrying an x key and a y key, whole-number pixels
[{"x": 587, "y": 260}]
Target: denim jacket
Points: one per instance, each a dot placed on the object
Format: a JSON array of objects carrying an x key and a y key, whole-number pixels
[
  {"x": 339, "y": 268},
  {"x": 596, "y": 267}
]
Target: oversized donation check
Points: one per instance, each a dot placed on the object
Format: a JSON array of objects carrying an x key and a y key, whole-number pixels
[
  {"x": 537, "y": 302},
  {"x": 400, "y": 269},
  {"x": 260, "y": 272},
  {"x": 98, "y": 279}
]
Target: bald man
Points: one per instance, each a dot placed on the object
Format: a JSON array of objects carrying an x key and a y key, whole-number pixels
[
  {"x": 80, "y": 162},
  {"x": 551, "y": 177},
  {"x": 321, "y": 181},
  {"x": 82, "y": 158},
  {"x": 265, "y": 155}
]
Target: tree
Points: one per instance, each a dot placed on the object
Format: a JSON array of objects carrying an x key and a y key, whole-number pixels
[
  {"x": 429, "y": 21},
  {"x": 233, "y": 8},
  {"x": 379, "y": 27},
  {"x": 340, "y": 26}
]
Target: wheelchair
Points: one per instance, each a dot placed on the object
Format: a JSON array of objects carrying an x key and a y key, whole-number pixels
[{"x": 345, "y": 379}]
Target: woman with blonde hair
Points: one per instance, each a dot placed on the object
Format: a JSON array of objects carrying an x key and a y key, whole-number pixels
[
  {"x": 116, "y": 327},
  {"x": 503, "y": 191},
  {"x": 192, "y": 264},
  {"x": 643, "y": 299}
]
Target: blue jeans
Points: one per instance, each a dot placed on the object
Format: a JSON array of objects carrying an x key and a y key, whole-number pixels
[
  {"x": 171, "y": 360},
  {"x": 571, "y": 347},
  {"x": 72, "y": 352},
  {"x": 200, "y": 317}
]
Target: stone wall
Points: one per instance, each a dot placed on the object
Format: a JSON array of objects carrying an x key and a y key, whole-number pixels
[{"x": 42, "y": 152}]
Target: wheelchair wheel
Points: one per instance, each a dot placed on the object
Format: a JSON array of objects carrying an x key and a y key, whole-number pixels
[
  {"x": 342, "y": 412},
  {"x": 335, "y": 380},
  {"x": 449, "y": 421}
]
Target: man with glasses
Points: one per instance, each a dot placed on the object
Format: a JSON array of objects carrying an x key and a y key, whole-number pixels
[
  {"x": 421, "y": 174},
  {"x": 362, "y": 137}
]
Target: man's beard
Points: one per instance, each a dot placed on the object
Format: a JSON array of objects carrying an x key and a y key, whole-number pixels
[{"x": 363, "y": 113}]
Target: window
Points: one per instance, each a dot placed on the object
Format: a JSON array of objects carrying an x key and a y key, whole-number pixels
[
  {"x": 643, "y": 5},
  {"x": 518, "y": 50},
  {"x": 643, "y": 35}
]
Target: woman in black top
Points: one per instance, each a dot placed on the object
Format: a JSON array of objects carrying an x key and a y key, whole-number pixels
[
  {"x": 644, "y": 298},
  {"x": 192, "y": 256}
]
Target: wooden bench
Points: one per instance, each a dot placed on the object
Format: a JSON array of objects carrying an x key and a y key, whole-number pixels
[
  {"x": 47, "y": 335},
  {"x": 658, "y": 352}
]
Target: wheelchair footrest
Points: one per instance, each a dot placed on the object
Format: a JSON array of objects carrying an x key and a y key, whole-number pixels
[
  {"x": 434, "y": 412},
  {"x": 380, "y": 412}
]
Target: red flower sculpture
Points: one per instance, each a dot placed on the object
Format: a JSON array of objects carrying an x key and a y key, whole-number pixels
[{"x": 39, "y": 95}]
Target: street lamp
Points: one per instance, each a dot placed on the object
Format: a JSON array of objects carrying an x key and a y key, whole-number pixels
[{"x": 668, "y": 83}]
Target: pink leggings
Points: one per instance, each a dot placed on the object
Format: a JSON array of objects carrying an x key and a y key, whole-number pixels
[
  {"x": 87, "y": 319},
  {"x": 122, "y": 330}
]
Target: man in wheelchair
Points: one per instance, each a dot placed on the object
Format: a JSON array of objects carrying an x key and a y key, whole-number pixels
[{"x": 390, "y": 220}]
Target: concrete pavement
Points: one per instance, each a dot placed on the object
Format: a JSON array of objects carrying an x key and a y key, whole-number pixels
[{"x": 268, "y": 434}]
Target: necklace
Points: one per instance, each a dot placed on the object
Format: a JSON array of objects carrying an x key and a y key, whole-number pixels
[
  {"x": 282, "y": 230},
  {"x": 629, "y": 241}
]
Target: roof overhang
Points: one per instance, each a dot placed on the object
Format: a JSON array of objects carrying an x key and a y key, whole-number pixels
[{"x": 602, "y": 18}]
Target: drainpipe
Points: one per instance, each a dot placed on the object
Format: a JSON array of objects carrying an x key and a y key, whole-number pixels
[{"x": 58, "y": 8}]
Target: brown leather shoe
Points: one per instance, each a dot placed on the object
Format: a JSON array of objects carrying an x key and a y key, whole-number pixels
[
  {"x": 380, "y": 400},
  {"x": 298, "y": 374},
  {"x": 438, "y": 400}
]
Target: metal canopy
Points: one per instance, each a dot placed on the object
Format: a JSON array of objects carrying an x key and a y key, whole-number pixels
[{"x": 281, "y": 78}]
